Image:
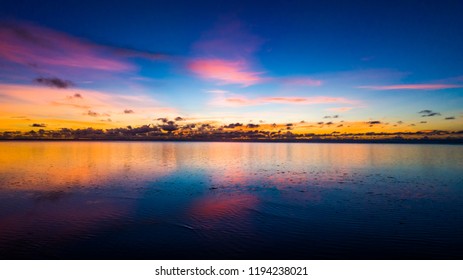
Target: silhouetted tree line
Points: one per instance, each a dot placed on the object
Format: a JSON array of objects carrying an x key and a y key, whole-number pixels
[{"x": 171, "y": 130}]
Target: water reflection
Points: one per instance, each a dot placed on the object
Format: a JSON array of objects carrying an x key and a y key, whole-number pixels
[{"x": 229, "y": 200}]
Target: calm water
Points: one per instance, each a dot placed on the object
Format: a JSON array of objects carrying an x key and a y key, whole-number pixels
[{"x": 131, "y": 200}]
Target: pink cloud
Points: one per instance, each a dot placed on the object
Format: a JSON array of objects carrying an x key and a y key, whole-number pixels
[
  {"x": 62, "y": 104},
  {"x": 413, "y": 87},
  {"x": 244, "y": 101},
  {"x": 305, "y": 100},
  {"x": 226, "y": 54},
  {"x": 36, "y": 46},
  {"x": 340, "y": 109},
  {"x": 28, "y": 44},
  {"x": 301, "y": 81},
  {"x": 225, "y": 71}
]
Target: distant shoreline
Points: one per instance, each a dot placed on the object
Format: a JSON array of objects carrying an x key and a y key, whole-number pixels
[{"x": 318, "y": 141}]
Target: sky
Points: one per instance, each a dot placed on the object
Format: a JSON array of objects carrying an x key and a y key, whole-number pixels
[{"x": 360, "y": 65}]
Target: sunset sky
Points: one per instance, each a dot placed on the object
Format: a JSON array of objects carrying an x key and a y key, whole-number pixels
[{"x": 361, "y": 65}]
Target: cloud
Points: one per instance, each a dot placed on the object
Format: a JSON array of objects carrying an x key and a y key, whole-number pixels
[
  {"x": 237, "y": 100},
  {"x": 331, "y": 117},
  {"x": 38, "y": 125},
  {"x": 77, "y": 95},
  {"x": 225, "y": 71},
  {"x": 302, "y": 81},
  {"x": 56, "y": 83},
  {"x": 218, "y": 91},
  {"x": 128, "y": 111},
  {"x": 92, "y": 113},
  {"x": 373, "y": 122},
  {"x": 238, "y": 71},
  {"x": 251, "y": 125},
  {"x": 178, "y": 119},
  {"x": 413, "y": 87},
  {"x": 304, "y": 100},
  {"x": 36, "y": 46},
  {"x": 225, "y": 54},
  {"x": 169, "y": 126},
  {"x": 428, "y": 113},
  {"x": 25, "y": 44},
  {"x": 450, "y": 118},
  {"x": 55, "y": 104},
  {"x": 233, "y": 125},
  {"x": 80, "y": 106},
  {"x": 425, "y": 112},
  {"x": 340, "y": 109}
]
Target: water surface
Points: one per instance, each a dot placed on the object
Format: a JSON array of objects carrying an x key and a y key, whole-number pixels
[{"x": 168, "y": 200}]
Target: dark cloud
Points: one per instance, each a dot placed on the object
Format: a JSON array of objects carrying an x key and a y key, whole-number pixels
[
  {"x": 425, "y": 112},
  {"x": 76, "y": 95},
  {"x": 206, "y": 125},
  {"x": 329, "y": 123},
  {"x": 233, "y": 125},
  {"x": 92, "y": 114},
  {"x": 169, "y": 126},
  {"x": 128, "y": 111},
  {"x": 428, "y": 113},
  {"x": 432, "y": 114},
  {"x": 164, "y": 120},
  {"x": 178, "y": 119},
  {"x": 450, "y": 118},
  {"x": 423, "y": 121},
  {"x": 331, "y": 117},
  {"x": 54, "y": 82},
  {"x": 374, "y": 122},
  {"x": 38, "y": 125},
  {"x": 400, "y": 122},
  {"x": 251, "y": 125},
  {"x": 189, "y": 126}
]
